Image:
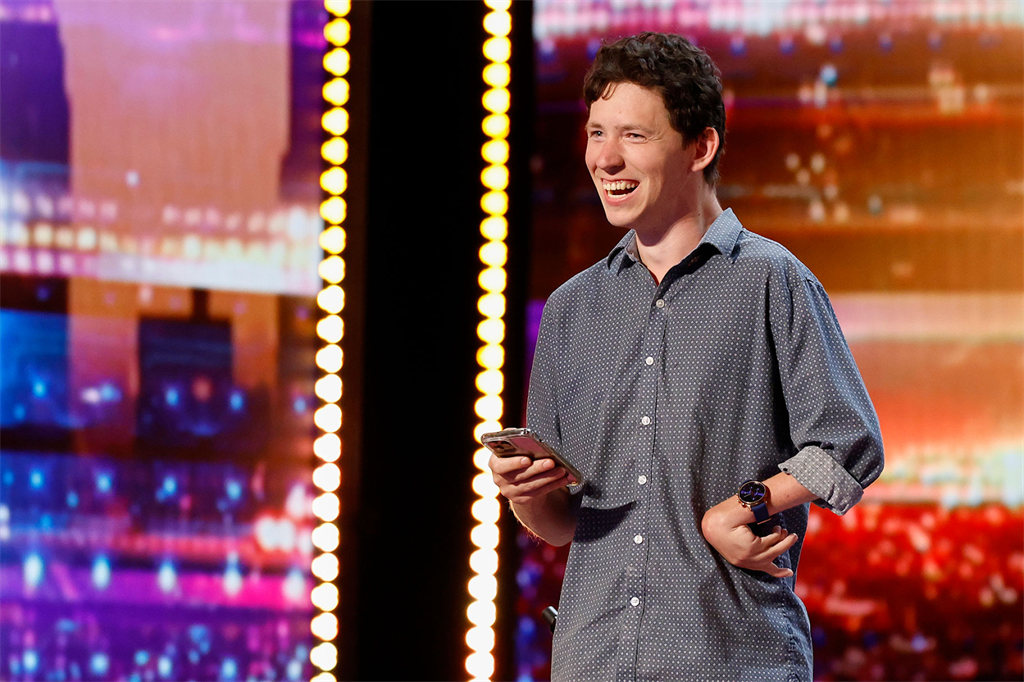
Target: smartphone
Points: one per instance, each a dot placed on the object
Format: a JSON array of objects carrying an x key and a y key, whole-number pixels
[{"x": 512, "y": 442}]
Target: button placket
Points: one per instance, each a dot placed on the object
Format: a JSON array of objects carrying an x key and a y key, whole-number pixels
[{"x": 653, "y": 343}]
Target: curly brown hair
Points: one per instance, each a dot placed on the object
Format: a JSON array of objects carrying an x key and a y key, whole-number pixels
[{"x": 689, "y": 83}]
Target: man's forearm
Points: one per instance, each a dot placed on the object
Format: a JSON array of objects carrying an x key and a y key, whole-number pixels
[{"x": 552, "y": 518}]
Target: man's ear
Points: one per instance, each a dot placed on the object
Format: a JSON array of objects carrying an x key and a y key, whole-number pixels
[{"x": 705, "y": 148}]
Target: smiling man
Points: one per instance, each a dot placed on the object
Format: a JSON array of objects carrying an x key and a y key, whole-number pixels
[{"x": 698, "y": 379}]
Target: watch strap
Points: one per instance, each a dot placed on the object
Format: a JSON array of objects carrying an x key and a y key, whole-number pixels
[{"x": 760, "y": 512}]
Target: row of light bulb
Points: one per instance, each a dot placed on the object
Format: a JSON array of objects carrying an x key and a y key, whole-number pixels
[
  {"x": 483, "y": 586},
  {"x": 330, "y": 357}
]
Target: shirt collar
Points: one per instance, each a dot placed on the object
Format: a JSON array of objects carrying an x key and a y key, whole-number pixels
[{"x": 722, "y": 235}]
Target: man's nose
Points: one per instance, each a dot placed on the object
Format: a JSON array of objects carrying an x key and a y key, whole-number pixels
[{"x": 610, "y": 156}]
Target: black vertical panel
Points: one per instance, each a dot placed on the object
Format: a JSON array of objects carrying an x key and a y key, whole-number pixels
[{"x": 422, "y": 237}]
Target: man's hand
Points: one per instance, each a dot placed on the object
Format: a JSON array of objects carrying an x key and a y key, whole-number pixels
[
  {"x": 523, "y": 480},
  {"x": 725, "y": 528}
]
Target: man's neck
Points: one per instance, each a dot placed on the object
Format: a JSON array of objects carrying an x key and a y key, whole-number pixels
[{"x": 662, "y": 249}]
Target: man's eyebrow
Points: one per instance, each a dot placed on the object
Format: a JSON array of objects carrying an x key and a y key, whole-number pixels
[{"x": 620, "y": 128}]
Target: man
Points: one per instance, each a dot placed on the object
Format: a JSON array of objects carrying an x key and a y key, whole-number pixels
[{"x": 696, "y": 359}]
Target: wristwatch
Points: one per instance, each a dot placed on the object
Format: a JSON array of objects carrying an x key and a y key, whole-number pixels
[{"x": 754, "y": 496}]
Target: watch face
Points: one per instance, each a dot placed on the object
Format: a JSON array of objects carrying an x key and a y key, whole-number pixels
[{"x": 752, "y": 492}]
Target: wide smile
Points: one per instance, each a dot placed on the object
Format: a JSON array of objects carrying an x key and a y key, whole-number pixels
[{"x": 618, "y": 191}]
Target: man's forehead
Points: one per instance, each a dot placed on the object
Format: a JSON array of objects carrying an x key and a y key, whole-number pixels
[{"x": 640, "y": 103}]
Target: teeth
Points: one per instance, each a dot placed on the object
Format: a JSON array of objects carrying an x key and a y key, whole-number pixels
[{"x": 620, "y": 185}]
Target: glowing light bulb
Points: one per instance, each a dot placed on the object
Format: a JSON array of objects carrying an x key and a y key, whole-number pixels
[
  {"x": 491, "y": 356},
  {"x": 326, "y": 567},
  {"x": 335, "y": 150},
  {"x": 328, "y": 388},
  {"x": 480, "y": 665},
  {"x": 495, "y": 177},
  {"x": 331, "y": 299},
  {"x": 493, "y": 280},
  {"x": 494, "y": 228},
  {"x": 324, "y": 626},
  {"x": 330, "y": 358},
  {"x": 340, "y": 8},
  {"x": 328, "y": 447},
  {"x": 332, "y": 269},
  {"x": 483, "y": 485},
  {"x": 486, "y": 427},
  {"x": 497, "y": 75},
  {"x": 481, "y": 459},
  {"x": 495, "y": 203},
  {"x": 485, "y": 535},
  {"x": 491, "y": 305},
  {"x": 491, "y": 331},
  {"x": 325, "y": 597},
  {"x": 480, "y": 639},
  {"x": 481, "y": 613},
  {"x": 498, "y": 23},
  {"x": 496, "y": 125},
  {"x": 331, "y": 329},
  {"x": 498, "y": 49},
  {"x": 326, "y": 537},
  {"x": 327, "y": 477},
  {"x": 327, "y": 507},
  {"x": 338, "y": 32},
  {"x": 324, "y": 656},
  {"x": 495, "y": 151},
  {"x": 328, "y": 418},
  {"x": 334, "y": 210},
  {"x": 483, "y": 587},
  {"x": 489, "y": 407},
  {"x": 337, "y": 61},
  {"x": 484, "y": 561},
  {"x": 494, "y": 254},
  {"x": 496, "y": 100},
  {"x": 490, "y": 381},
  {"x": 487, "y": 510},
  {"x": 332, "y": 240},
  {"x": 335, "y": 121},
  {"x": 334, "y": 181},
  {"x": 498, "y": 5}
]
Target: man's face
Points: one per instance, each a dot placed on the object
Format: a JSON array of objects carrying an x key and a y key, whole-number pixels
[{"x": 638, "y": 160}]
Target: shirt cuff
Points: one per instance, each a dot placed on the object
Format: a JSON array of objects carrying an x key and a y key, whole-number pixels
[{"x": 814, "y": 469}]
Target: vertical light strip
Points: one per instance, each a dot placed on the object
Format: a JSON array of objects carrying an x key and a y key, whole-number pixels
[
  {"x": 483, "y": 586},
  {"x": 330, "y": 328}
]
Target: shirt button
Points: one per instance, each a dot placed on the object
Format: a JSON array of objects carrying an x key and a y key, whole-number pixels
[
  {"x": 649, "y": 360},
  {"x": 660, "y": 303},
  {"x": 635, "y": 601},
  {"x": 641, "y": 480},
  {"x": 638, "y": 539},
  {"x": 645, "y": 420}
]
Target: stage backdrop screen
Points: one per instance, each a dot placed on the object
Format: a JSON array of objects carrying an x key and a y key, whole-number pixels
[
  {"x": 158, "y": 262},
  {"x": 882, "y": 143}
]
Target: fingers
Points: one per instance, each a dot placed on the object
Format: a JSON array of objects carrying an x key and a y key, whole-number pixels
[
  {"x": 519, "y": 478},
  {"x": 518, "y": 469},
  {"x": 505, "y": 465},
  {"x": 772, "y": 546}
]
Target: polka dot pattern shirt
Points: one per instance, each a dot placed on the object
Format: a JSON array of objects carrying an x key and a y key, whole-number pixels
[{"x": 667, "y": 397}]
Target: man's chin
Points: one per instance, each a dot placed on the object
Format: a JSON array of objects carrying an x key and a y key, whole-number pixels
[{"x": 618, "y": 218}]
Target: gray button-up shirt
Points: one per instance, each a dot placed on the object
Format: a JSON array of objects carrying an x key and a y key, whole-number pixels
[{"x": 667, "y": 397}]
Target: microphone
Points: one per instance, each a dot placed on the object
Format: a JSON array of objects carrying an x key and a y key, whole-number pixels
[{"x": 550, "y": 615}]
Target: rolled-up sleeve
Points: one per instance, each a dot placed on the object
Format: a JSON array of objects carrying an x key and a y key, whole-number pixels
[{"x": 832, "y": 423}]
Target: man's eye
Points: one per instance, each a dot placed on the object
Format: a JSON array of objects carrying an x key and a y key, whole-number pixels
[
  {"x": 634, "y": 136},
  {"x": 595, "y": 133}
]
